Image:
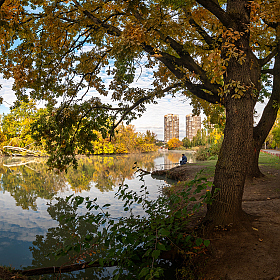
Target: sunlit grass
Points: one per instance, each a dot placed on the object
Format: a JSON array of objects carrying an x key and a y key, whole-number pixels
[
  {"x": 269, "y": 160},
  {"x": 264, "y": 160}
]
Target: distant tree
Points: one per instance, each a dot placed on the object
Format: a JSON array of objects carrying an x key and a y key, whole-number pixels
[
  {"x": 200, "y": 138},
  {"x": 174, "y": 143},
  {"x": 150, "y": 137},
  {"x": 186, "y": 142},
  {"x": 16, "y": 125}
]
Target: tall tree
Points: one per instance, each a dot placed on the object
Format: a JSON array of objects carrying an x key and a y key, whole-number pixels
[{"x": 210, "y": 50}]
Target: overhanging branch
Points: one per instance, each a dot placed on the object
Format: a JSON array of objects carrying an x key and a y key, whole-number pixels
[
  {"x": 217, "y": 11},
  {"x": 265, "y": 60}
]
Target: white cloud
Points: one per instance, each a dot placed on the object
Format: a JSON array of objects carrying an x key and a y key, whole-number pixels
[
  {"x": 153, "y": 117},
  {"x": 6, "y": 91}
]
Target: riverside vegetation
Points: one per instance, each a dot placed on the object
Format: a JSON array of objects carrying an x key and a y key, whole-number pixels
[
  {"x": 20, "y": 128},
  {"x": 192, "y": 256}
]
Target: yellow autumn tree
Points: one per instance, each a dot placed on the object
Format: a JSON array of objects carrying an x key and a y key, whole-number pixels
[{"x": 174, "y": 143}]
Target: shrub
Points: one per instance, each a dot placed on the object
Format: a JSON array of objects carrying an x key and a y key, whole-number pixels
[
  {"x": 210, "y": 152},
  {"x": 135, "y": 244}
]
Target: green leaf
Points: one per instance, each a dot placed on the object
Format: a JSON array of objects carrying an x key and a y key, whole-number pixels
[
  {"x": 198, "y": 241},
  {"x": 155, "y": 254},
  {"x": 145, "y": 271},
  {"x": 161, "y": 247},
  {"x": 163, "y": 232},
  {"x": 206, "y": 242},
  {"x": 106, "y": 205},
  {"x": 101, "y": 262},
  {"x": 88, "y": 238}
]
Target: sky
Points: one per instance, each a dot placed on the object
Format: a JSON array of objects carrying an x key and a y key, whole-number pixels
[{"x": 152, "y": 119}]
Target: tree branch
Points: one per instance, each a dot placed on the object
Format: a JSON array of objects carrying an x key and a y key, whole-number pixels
[
  {"x": 198, "y": 90},
  {"x": 62, "y": 269},
  {"x": 271, "y": 24},
  {"x": 110, "y": 29},
  {"x": 265, "y": 60},
  {"x": 217, "y": 11},
  {"x": 208, "y": 39},
  {"x": 170, "y": 61},
  {"x": 2, "y": 2},
  {"x": 267, "y": 71},
  {"x": 143, "y": 99}
]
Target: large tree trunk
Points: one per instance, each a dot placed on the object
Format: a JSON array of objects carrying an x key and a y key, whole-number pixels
[
  {"x": 242, "y": 76},
  {"x": 232, "y": 164},
  {"x": 269, "y": 115}
]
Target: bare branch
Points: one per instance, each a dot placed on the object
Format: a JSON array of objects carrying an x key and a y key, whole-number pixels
[
  {"x": 268, "y": 71},
  {"x": 265, "y": 60}
]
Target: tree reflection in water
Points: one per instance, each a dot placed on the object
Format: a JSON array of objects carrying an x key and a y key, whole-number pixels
[
  {"x": 106, "y": 172},
  {"x": 27, "y": 182},
  {"x": 71, "y": 231}
]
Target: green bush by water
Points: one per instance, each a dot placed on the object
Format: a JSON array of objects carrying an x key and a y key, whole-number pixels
[
  {"x": 208, "y": 152},
  {"x": 135, "y": 244}
]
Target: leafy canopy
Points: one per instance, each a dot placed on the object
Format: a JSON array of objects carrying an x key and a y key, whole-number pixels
[{"x": 60, "y": 50}]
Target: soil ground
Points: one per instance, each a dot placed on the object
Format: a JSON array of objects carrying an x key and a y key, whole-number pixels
[{"x": 252, "y": 253}]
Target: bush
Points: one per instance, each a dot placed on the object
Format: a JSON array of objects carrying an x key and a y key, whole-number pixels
[
  {"x": 208, "y": 153},
  {"x": 135, "y": 244}
]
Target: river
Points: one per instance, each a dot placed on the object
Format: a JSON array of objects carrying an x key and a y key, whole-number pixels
[{"x": 28, "y": 189}]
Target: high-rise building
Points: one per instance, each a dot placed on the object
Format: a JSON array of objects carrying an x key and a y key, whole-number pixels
[
  {"x": 171, "y": 127},
  {"x": 193, "y": 124}
]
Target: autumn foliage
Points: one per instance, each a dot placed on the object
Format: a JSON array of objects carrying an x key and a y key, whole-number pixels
[
  {"x": 174, "y": 143},
  {"x": 223, "y": 55}
]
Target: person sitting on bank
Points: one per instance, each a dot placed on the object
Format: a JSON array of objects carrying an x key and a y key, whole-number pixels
[{"x": 184, "y": 160}]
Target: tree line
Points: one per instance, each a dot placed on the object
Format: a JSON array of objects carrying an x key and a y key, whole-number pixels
[{"x": 17, "y": 130}]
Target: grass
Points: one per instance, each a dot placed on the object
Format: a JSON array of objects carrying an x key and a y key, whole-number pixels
[
  {"x": 269, "y": 160},
  {"x": 210, "y": 165},
  {"x": 264, "y": 160}
]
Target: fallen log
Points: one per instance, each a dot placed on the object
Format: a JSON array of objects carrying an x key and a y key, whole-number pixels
[
  {"x": 19, "y": 149},
  {"x": 63, "y": 269},
  {"x": 165, "y": 255}
]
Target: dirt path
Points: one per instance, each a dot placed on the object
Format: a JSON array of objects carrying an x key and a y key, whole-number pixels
[{"x": 253, "y": 254}]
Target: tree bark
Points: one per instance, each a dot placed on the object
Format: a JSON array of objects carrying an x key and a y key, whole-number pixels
[
  {"x": 231, "y": 168},
  {"x": 269, "y": 115},
  {"x": 237, "y": 147}
]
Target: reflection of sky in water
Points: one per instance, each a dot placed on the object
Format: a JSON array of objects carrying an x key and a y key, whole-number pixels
[{"x": 18, "y": 227}]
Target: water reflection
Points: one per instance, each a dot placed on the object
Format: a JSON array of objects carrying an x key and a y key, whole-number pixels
[
  {"x": 28, "y": 179},
  {"x": 70, "y": 231},
  {"x": 27, "y": 186},
  {"x": 106, "y": 172}
]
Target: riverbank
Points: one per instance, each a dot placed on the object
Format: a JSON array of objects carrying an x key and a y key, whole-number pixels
[{"x": 247, "y": 254}]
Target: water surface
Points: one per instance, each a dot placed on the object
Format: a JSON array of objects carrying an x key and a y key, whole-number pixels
[{"x": 29, "y": 226}]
